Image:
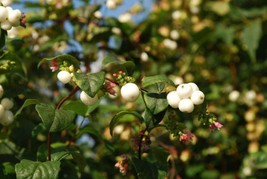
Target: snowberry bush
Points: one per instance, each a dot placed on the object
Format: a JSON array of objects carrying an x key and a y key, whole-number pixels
[{"x": 86, "y": 94}]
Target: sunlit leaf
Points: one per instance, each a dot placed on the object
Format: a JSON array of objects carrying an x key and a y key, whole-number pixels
[
  {"x": 62, "y": 58},
  {"x": 79, "y": 108},
  {"x": 90, "y": 83},
  {"x": 151, "y": 80},
  {"x": 27, "y": 169},
  {"x": 113, "y": 65},
  {"x": 54, "y": 119},
  {"x": 27, "y": 102},
  {"x": 251, "y": 36}
]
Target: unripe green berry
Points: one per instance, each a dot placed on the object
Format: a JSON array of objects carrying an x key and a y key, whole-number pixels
[
  {"x": 64, "y": 76},
  {"x": 186, "y": 105},
  {"x": 173, "y": 99},
  {"x": 87, "y": 100},
  {"x": 130, "y": 92},
  {"x": 197, "y": 97},
  {"x": 7, "y": 103}
]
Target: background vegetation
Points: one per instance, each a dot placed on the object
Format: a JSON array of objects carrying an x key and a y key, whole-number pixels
[{"x": 218, "y": 44}]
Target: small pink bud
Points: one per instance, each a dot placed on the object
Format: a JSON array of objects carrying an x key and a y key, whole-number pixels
[{"x": 216, "y": 125}]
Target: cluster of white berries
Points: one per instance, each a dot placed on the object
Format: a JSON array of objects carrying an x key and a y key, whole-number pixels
[
  {"x": 185, "y": 97},
  {"x": 9, "y": 17},
  {"x": 6, "y": 116}
]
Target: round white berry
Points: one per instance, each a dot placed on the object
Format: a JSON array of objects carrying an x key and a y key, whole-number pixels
[
  {"x": 111, "y": 4},
  {"x": 186, "y": 105},
  {"x": 3, "y": 13},
  {"x": 7, "y": 118},
  {"x": 174, "y": 34},
  {"x": 14, "y": 17},
  {"x": 184, "y": 90},
  {"x": 194, "y": 86},
  {"x": 173, "y": 99},
  {"x": 2, "y": 110},
  {"x": 197, "y": 97},
  {"x": 7, "y": 103},
  {"x": 64, "y": 76},
  {"x": 130, "y": 92},
  {"x": 234, "y": 95},
  {"x": 144, "y": 56},
  {"x": 1, "y": 91},
  {"x": 87, "y": 100},
  {"x": 6, "y": 25},
  {"x": 6, "y": 2}
]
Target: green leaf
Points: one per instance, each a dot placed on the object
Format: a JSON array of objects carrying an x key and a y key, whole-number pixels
[
  {"x": 145, "y": 169},
  {"x": 89, "y": 129},
  {"x": 62, "y": 58},
  {"x": 8, "y": 168},
  {"x": 219, "y": 7},
  {"x": 27, "y": 169},
  {"x": 112, "y": 64},
  {"x": 151, "y": 80},
  {"x": 90, "y": 83},
  {"x": 260, "y": 159},
  {"x": 80, "y": 160},
  {"x": 79, "y": 108},
  {"x": 86, "y": 11},
  {"x": 251, "y": 36},
  {"x": 156, "y": 103},
  {"x": 58, "y": 156},
  {"x": 54, "y": 120},
  {"x": 27, "y": 102},
  {"x": 115, "y": 120},
  {"x": 40, "y": 128}
]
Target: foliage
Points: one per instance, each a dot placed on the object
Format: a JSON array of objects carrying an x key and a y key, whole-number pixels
[{"x": 219, "y": 45}]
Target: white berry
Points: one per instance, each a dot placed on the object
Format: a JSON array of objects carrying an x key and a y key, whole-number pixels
[
  {"x": 1, "y": 91},
  {"x": 7, "y": 103},
  {"x": 186, "y": 105},
  {"x": 2, "y": 110},
  {"x": 197, "y": 97},
  {"x": 130, "y": 92},
  {"x": 111, "y": 4},
  {"x": 194, "y": 86},
  {"x": 7, "y": 118},
  {"x": 64, "y": 76},
  {"x": 3, "y": 13},
  {"x": 87, "y": 100},
  {"x": 173, "y": 99},
  {"x": 184, "y": 90},
  {"x": 6, "y": 25},
  {"x": 6, "y": 2},
  {"x": 14, "y": 17}
]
